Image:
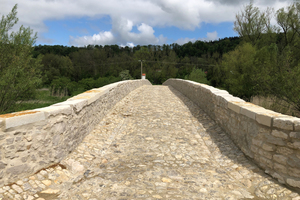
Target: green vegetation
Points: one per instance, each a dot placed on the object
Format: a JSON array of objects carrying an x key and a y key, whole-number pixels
[
  {"x": 19, "y": 72},
  {"x": 263, "y": 61},
  {"x": 159, "y": 62},
  {"x": 43, "y": 98},
  {"x": 198, "y": 75},
  {"x": 266, "y": 62}
]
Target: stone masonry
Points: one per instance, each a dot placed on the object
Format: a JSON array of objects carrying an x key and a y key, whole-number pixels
[
  {"x": 35, "y": 139},
  {"x": 154, "y": 144},
  {"x": 271, "y": 139}
]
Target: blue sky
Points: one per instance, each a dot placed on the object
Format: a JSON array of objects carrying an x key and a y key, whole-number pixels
[
  {"x": 60, "y": 30},
  {"x": 130, "y": 22}
]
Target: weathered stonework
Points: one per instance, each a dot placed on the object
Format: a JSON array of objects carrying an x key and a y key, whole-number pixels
[
  {"x": 35, "y": 139},
  {"x": 271, "y": 139}
]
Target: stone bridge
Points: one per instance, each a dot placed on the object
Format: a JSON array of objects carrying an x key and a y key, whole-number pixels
[{"x": 132, "y": 140}]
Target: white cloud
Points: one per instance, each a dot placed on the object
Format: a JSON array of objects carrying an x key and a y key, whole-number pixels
[
  {"x": 211, "y": 36},
  {"x": 102, "y": 38},
  {"x": 182, "y": 41},
  {"x": 121, "y": 33},
  {"x": 129, "y": 44},
  {"x": 126, "y": 14}
]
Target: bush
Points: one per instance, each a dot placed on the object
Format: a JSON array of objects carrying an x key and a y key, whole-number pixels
[{"x": 198, "y": 75}]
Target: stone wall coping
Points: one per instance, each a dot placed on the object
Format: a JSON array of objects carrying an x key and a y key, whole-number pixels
[
  {"x": 90, "y": 97},
  {"x": 12, "y": 120},
  {"x": 261, "y": 115},
  {"x": 76, "y": 103},
  {"x": 56, "y": 110}
]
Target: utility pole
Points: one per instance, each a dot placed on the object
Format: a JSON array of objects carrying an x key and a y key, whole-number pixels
[{"x": 141, "y": 68}]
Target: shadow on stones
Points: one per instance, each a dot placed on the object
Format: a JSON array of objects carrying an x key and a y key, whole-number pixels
[{"x": 222, "y": 142}]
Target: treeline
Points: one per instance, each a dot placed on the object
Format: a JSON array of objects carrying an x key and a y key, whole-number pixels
[{"x": 71, "y": 70}]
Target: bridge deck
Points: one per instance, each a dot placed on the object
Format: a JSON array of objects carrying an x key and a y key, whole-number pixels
[{"x": 156, "y": 144}]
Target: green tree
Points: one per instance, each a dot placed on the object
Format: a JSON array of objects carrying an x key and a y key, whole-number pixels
[
  {"x": 19, "y": 72},
  {"x": 263, "y": 65},
  {"x": 239, "y": 69},
  {"x": 252, "y": 24},
  {"x": 125, "y": 75},
  {"x": 55, "y": 66},
  {"x": 198, "y": 75}
]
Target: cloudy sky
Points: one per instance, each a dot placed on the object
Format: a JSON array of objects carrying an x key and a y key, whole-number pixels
[{"x": 130, "y": 22}]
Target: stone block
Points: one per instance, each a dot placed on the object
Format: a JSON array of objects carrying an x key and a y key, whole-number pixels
[
  {"x": 275, "y": 140},
  {"x": 223, "y": 102},
  {"x": 2, "y": 123},
  {"x": 293, "y": 162},
  {"x": 56, "y": 110},
  {"x": 297, "y": 124},
  {"x": 283, "y": 122},
  {"x": 22, "y": 118},
  {"x": 220, "y": 92},
  {"x": 234, "y": 106},
  {"x": 293, "y": 182},
  {"x": 77, "y": 105},
  {"x": 268, "y": 163},
  {"x": 268, "y": 147},
  {"x": 280, "y": 168},
  {"x": 280, "y": 178},
  {"x": 284, "y": 151},
  {"x": 254, "y": 149},
  {"x": 249, "y": 110},
  {"x": 279, "y": 134},
  {"x": 218, "y": 95},
  {"x": 294, "y": 172},
  {"x": 91, "y": 95},
  {"x": 295, "y": 135},
  {"x": 265, "y": 154},
  {"x": 280, "y": 159},
  {"x": 294, "y": 145},
  {"x": 263, "y": 119},
  {"x": 257, "y": 142}
]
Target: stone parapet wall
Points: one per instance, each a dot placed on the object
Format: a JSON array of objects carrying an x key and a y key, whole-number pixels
[
  {"x": 36, "y": 139},
  {"x": 271, "y": 139}
]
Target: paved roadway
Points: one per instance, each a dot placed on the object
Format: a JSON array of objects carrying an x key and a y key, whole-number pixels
[{"x": 155, "y": 144}]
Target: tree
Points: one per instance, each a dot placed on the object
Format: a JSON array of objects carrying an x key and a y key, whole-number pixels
[
  {"x": 125, "y": 75},
  {"x": 198, "y": 75},
  {"x": 266, "y": 67},
  {"x": 55, "y": 66},
  {"x": 251, "y": 24},
  {"x": 19, "y": 72},
  {"x": 240, "y": 71}
]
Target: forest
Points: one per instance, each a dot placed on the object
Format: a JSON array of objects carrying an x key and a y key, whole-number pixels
[
  {"x": 262, "y": 61},
  {"x": 71, "y": 70}
]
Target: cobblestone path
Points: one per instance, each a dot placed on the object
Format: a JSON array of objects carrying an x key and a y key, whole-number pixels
[{"x": 155, "y": 144}]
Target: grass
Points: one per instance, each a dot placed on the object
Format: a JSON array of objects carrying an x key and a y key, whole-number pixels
[
  {"x": 42, "y": 99},
  {"x": 275, "y": 104}
]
